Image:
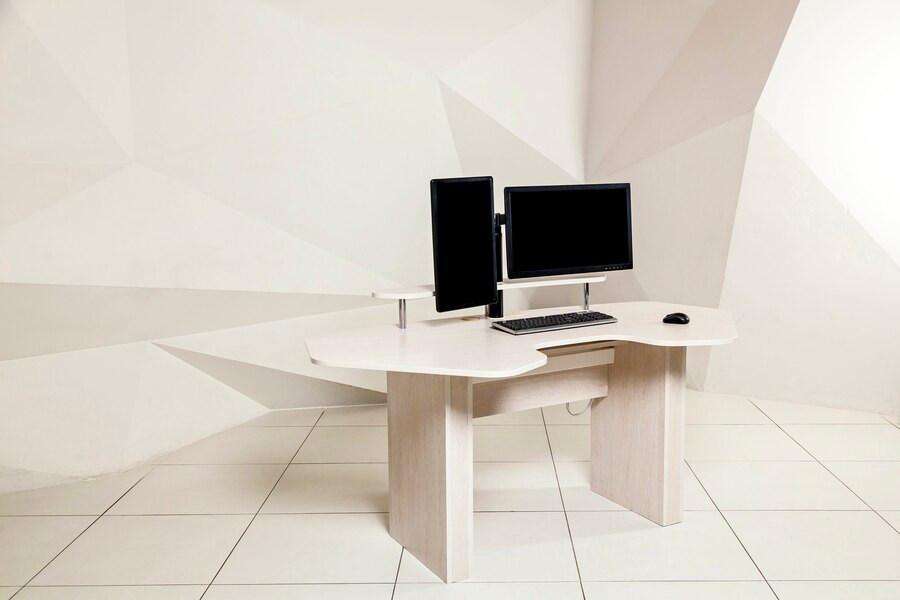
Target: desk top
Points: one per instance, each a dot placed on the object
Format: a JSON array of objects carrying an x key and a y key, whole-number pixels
[{"x": 471, "y": 348}]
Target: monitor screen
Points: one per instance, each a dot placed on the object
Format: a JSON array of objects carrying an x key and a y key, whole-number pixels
[
  {"x": 568, "y": 229},
  {"x": 462, "y": 227}
]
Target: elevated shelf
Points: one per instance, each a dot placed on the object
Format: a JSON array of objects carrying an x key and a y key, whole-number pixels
[{"x": 427, "y": 291}]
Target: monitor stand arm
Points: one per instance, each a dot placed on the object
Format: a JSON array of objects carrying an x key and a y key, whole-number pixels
[
  {"x": 587, "y": 297},
  {"x": 495, "y": 310}
]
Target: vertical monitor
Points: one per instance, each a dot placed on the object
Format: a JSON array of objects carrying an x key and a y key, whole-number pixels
[
  {"x": 462, "y": 227},
  {"x": 568, "y": 229}
]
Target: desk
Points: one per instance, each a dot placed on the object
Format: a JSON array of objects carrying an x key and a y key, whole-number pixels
[{"x": 442, "y": 373}]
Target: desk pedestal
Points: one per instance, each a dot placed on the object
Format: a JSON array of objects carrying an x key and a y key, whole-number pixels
[{"x": 637, "y": 440}]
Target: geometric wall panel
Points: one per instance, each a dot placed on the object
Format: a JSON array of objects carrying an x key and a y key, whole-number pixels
[
  {"x": 842, "y": 119},
  {"x": 99, "y": 69},
  {"x": 60, "y": 318},
  {"x": 344, "y": 179},
  {"x": 280, "y": 345},
  {"x": 533, "y": 80},
  {"x": 432, "y": 36},
  {"x": 225, "y": 67},
  {"x": 681, "y": 235},
  {"x": 140, "y": 229},
  {"x": 272, "y": 388},
  {"x": 34, "y": 126},
  {"x": 813, "y": 294},
  {"x": 633, "y": 46},
  {"x": 717, "y": 75},
  {"x": 485, "y": 146},
  {"x": 103, "y": 410},
  {"x": 190, "y": 189},
  {"x": 29, "y": 187}
]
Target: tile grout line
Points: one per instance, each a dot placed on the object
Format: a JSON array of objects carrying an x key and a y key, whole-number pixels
[
  {"x": 263, "y": 503},
  {"x": 563, "y": 503},
  {"x": 397, "y": 575},
  {"x": 733, "y": 532},
  {"x": 108, "y": 508},
  {"x": 821, "y": 464}
]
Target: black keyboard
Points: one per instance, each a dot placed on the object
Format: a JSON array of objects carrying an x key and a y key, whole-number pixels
[{"x": 551, "y": 322}]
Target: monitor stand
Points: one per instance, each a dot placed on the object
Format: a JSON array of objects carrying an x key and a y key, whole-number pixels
[{"x": 495, "y": 310}]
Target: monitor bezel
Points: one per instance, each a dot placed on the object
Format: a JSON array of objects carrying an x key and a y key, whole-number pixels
[
  {"x": 434, "y": 243},
  {"x": 513, "y": 273}
]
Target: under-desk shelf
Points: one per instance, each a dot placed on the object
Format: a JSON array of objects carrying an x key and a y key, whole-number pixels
[{"x": 402, "y": 294}]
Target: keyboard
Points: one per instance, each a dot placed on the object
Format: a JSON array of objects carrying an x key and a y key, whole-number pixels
[{"x": 551, "y": 322}]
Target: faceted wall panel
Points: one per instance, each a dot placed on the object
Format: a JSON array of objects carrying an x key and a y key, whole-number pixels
[{"x": 189, "y": 189}]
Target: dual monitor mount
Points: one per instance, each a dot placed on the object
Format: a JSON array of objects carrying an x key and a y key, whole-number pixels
[{"x": 495, "y": 310}]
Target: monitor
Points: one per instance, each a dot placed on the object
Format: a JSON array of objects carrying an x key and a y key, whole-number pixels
[
  {"x": 462, "y": 228},
  {"x": 568, "y": 229}
]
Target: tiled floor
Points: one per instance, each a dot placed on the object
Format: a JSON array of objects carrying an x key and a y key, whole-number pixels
[{"x": 782, "y": 501}]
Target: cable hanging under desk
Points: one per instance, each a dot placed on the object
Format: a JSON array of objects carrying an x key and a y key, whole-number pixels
[{"x": 402, "y": 294}]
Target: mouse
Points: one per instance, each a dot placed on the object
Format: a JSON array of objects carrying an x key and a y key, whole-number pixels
[{"x": 677, "y": 318}]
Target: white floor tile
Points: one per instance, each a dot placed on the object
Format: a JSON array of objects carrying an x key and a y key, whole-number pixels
[
  {"x": 345, "y": 445},
  {"x": 288, "y": 417},
  {"x": 574, "y": 478},
  {"x": 848, "y": 442},
  {"x": 7, "y": 592},
  {"x": 200, "y": 489},
  {"x": 314, "y": 549},
  {"x": 570, "y": 442},
  {"x": 511, "y": 547},
  {"x": 837, "y": 590},
  {"x": 705, "y": 408},
  {"x": 147, "y": 551},
  {"x": 29, "y": 543},
  {"x": 516, "y": 486},
  {"x": 343, "y": 591},
  {"x": 519, "y": 417},
  {"x": 878, "y": 483},
  {"x": 622, "y": 546},
  {"x": 558, "y": 415},
  {"x": 678, "y": 590},
  {"x": 810, "y": 545},
  {"x": 498, "y": 443},
  {"x": 794, "y": 412},
  {"x": 774, "y": 486},
  {"x": 336, "y": 488},
  {"x": 91, "y": 497},
  {"x": 892, "y": 517},
  {"x": 740, "y": 442},
  {"x": 243, "y": 445},
  {"x": 488, "y": 591},
  {"x": 159, "y": 592},
  {"x": 375, "y": 415}
]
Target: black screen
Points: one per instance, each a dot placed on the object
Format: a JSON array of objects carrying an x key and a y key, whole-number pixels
[
  {"x": 462, "y": 222},
  {"x": 560, "y": 230}
]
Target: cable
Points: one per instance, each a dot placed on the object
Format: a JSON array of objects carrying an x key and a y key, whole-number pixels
[{"x": 581, "y": 412}]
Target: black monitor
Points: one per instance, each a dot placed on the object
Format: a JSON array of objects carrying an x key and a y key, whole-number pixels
[
  {"x": 568, "y": 229},
  {"x": 462, "y": 227}
]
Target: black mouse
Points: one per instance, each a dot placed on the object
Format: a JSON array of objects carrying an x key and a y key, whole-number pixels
[{"x": 678, "y": 318}]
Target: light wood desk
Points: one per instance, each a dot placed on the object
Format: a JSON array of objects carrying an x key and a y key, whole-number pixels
[{"x": 441, "y": 374}]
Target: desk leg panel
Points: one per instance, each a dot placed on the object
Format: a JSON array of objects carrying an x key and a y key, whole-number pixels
[
  {"x": 637, "y": 432},
  {"x": 430, "y": 469}
]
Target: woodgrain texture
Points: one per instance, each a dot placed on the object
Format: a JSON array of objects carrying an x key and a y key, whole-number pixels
[
  {"x": 637, "y": 432},
  {"x": 472, "y": 349},
  {"x": 430, "y": 469},
  {"x": 531, "y": 391}
]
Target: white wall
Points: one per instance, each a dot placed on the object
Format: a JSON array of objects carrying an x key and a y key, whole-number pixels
[{"x": 191, "y": 188}]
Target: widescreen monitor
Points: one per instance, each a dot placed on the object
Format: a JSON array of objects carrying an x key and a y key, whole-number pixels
[
  {"x": 568, "y": 229},
  {"x": 465, "y": 261}
]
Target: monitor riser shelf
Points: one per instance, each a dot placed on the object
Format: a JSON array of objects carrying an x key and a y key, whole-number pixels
[{"x": 427, "y": 291}]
